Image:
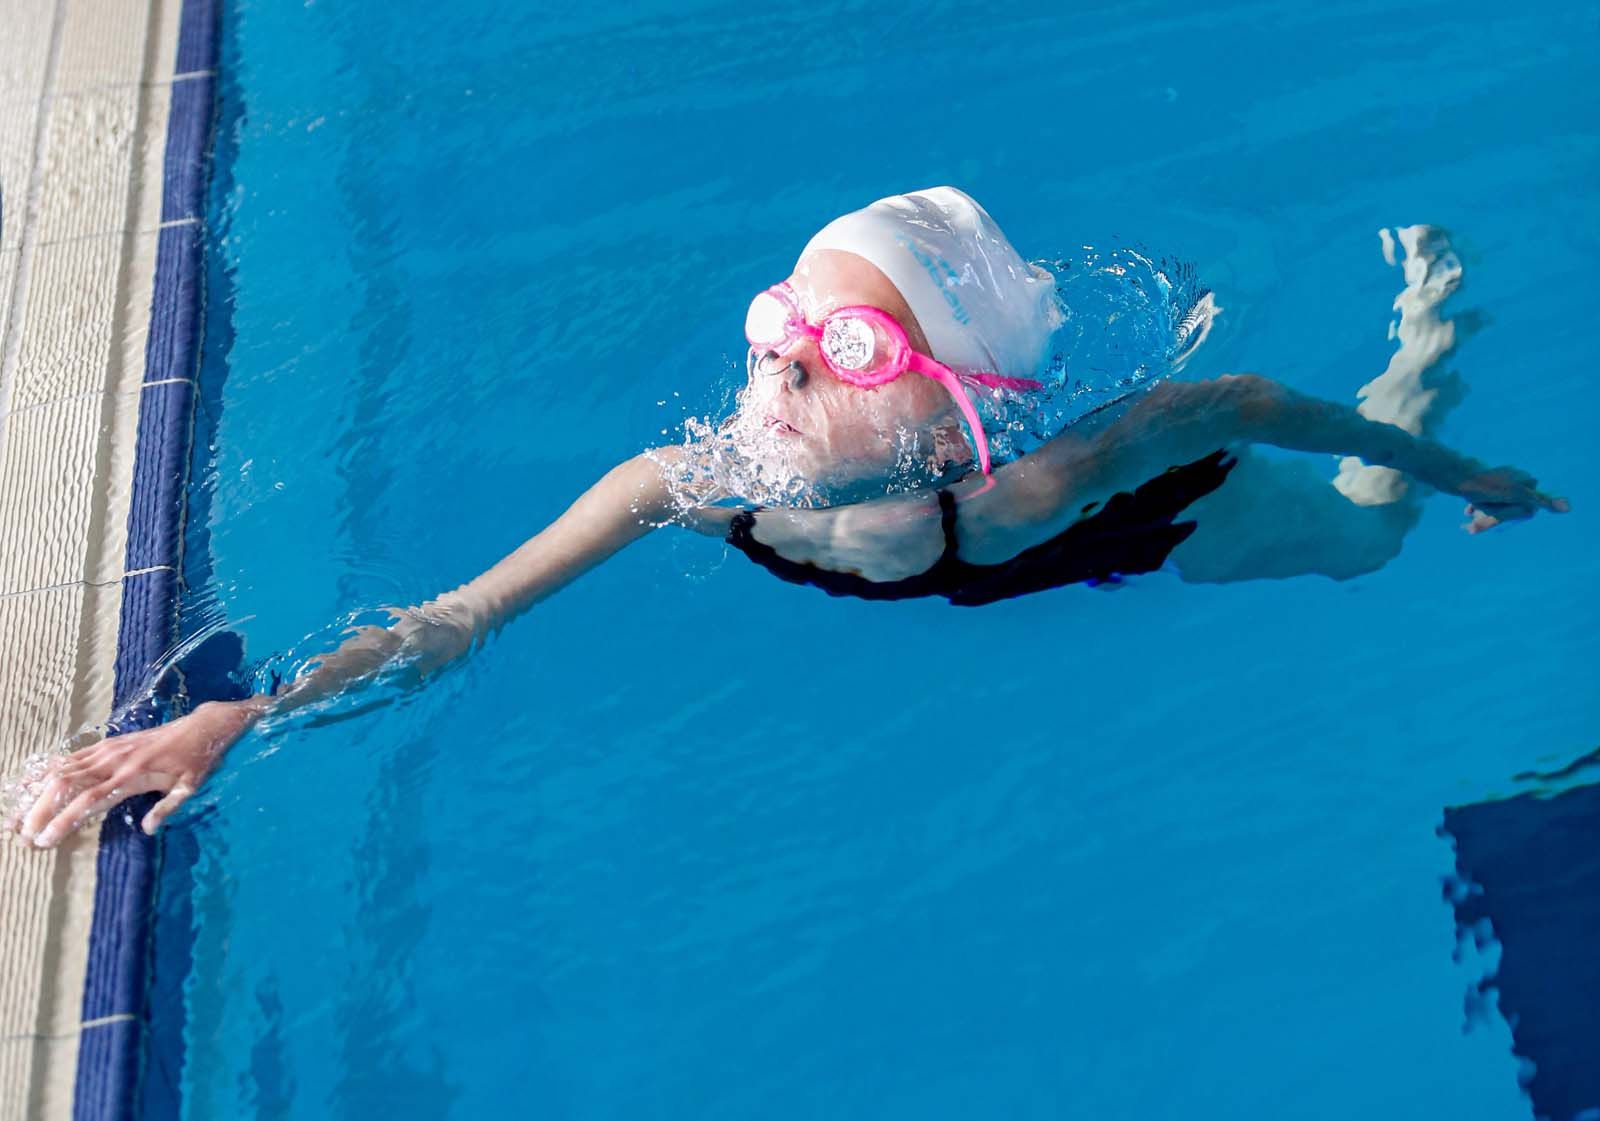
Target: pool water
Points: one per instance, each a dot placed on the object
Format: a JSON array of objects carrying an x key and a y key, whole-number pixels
[{"x": 686, "y": 841}]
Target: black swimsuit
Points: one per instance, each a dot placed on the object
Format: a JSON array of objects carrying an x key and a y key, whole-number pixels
[{"x": 1132, "y": 533}]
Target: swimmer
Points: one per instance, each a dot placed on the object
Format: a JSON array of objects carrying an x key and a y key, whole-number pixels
[{"x": 896, "y": 323}]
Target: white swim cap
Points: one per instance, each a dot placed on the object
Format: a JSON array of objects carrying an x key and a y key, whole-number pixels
[{"x": 982, "y": 307}]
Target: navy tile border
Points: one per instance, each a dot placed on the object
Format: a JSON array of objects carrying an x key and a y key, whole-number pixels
[
  {"x": 117, "y": 980},
  {"x": 173, "y": 350},
  {"x": 188, "y": 130},
  {"x": 107, "y": 1061},
  {"x": 197, "y": 37},
  {"x": 166, "y": 419}
]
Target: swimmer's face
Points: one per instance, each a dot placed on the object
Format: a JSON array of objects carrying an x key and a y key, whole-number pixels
[{"x": 829, "y": 429}]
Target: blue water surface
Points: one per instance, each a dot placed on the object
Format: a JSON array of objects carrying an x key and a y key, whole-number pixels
[{"x": 688, "y": 842}]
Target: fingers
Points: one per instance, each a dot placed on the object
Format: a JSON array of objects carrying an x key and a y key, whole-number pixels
[
  {"x": 1480, "y": 518},
  {"x": 96, "y": 799},
  {"x": 85, "y": 767},
  {"x": 50, "y": 798},
  {"x": 77, "y": 791},
  {"x": 163, "y": 809}
]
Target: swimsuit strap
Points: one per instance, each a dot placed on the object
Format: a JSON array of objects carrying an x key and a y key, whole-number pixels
[{"x": 947, "y": 524}]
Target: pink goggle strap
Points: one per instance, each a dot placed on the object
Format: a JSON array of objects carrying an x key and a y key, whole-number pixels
[
  {"x": 947, "y": 378},
  {"x": 999, "y": 381}
]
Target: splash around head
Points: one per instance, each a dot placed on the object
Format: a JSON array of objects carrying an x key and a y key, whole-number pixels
[{"x": 923, "y": 284}]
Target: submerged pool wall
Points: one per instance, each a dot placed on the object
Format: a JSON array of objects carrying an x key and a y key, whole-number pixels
[
  {"x": 106, "y": 111},
  {"x": 1528, "y": 880}
]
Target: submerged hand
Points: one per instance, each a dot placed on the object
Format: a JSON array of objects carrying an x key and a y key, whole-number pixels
[
  {"x": 174, "y": 758},
  {"x": 1505, "y": 494}
]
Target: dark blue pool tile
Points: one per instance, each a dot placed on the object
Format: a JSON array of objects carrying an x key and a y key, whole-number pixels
[
  {"x": 120, "y": 935},
  {"x": 197, "y": 37},
  {"x": 108, "y": 1057},
  {"x": 155, "y": 510},
  {"x": 188, "y": 126},
  {"x": 172, "y": 348},
  {"x": 149, "y": 610}
]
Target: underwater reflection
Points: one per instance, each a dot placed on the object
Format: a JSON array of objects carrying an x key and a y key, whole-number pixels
[{"x": 1528, "y": 879}]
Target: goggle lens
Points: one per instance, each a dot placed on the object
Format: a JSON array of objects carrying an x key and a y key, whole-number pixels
[
  {"x": 767, "y": 324},
  {"x": 850, "y": 343}
]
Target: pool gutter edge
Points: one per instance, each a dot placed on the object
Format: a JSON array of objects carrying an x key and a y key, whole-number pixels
[
  {"x": 118, "y": 971},
  {"x": 105, "y": 123}
]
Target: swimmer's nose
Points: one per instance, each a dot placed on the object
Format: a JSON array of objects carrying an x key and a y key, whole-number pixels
[{"x": 768, "y": 365}]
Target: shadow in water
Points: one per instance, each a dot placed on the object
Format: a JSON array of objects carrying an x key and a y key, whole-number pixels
[{"x": 1528, "y": 877}]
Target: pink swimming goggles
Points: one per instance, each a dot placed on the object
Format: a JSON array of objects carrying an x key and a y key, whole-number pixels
[{"x": 866, "y": 347}]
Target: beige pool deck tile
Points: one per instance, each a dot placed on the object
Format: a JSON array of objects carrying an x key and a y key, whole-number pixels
[
  {"x": 18, "y": 127},
  {"x": 9, "y": 259},
  {"x": 16, "y": 1063},
  {"x": 149, "y": 158},
  {"x": 102, "y": 44},
  {"x": 48, "y": 1068},
  {"x": 85, "y": 176},
  {"x": 65, "y": 325},
  {"x": 63, "y": 687},
  {"x": 74, "y": 333},
  {"x": 63, "y": 509},
  {"x": 161, "y": 53},
  {"x": 24, "y": 48},
  {"x": 132, "y": 331},
  {"x": 84, "y": 89},
  {"x": 55, "y": 1076},
  {"x": 43, "y": 699},
  {"x": 26, "y": 938},
  {"x": 71, "y": 916},
  {"x": 58, "y": 918}
]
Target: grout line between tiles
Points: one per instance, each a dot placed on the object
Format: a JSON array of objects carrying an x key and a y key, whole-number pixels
[
  {"x": 93, "y": 393},
  {"x": 88, "y": 583}
]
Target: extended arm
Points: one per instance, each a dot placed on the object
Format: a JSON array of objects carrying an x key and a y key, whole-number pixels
[
  {"x": 625, "y": 505},
  {"x": 1180, "y": 422},
  {"x": 622, "y": 507}
]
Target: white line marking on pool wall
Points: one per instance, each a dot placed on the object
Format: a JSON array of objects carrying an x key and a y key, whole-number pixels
[{"x": 84, "y": 93}]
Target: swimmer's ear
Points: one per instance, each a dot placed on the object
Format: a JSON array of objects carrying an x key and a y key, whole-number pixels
[{"x": 950, "y": 443}]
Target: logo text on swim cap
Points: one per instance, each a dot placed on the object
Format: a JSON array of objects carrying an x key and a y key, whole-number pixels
[{"x": 946, "y": 283}]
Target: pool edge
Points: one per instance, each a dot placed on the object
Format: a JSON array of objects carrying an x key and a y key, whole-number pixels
[
  {"x": 117, "y": 976},
  {"x": 104, "y": 126}
]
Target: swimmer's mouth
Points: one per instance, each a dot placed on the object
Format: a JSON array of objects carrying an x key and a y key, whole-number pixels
[{"x": 775, "y": 425}]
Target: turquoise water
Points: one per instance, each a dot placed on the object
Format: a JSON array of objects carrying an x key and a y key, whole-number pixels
[{"x": 688, "y": 842}]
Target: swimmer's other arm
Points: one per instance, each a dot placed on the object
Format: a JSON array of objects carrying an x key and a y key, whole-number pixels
[
  {"x": 176, "y": 758},
  {"x": 1179, "y": 422}
]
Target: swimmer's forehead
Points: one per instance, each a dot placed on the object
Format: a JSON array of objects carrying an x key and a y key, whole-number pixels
[{"x": 825, "y": 279}]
